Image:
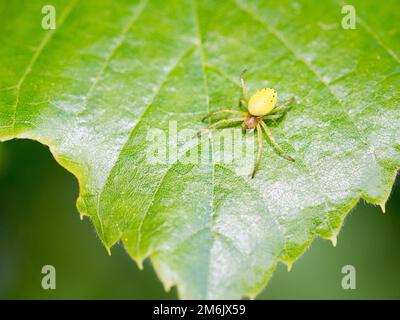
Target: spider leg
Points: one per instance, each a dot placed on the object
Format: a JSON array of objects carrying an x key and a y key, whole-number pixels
[
  {"x": 228, "y": 111},
  {"x": 273, "y": 116},
  {"x": 277, "y": 109},
  {"x": 224, "y": 121},
  {"x": 281, "y": 106},
  {"x": 244, "y": 128},
  {"x": 242, "y": 103},
  {"x": 281, "y": 152},
  {"x": 245, "y": 92},
  {"x": 259, "y": 150}
]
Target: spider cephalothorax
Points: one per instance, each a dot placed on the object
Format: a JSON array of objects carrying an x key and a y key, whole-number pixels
[
  {"x": 261, "y": 106},
  {"x": 251, "y": 122}
]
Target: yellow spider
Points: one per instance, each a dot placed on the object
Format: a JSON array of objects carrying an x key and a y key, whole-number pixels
[{"x": 260, "y": 106}]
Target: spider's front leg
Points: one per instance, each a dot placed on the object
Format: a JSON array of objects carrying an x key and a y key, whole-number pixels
[
  {"x": 245, "y": 93},
  {"x": 225, "y": 121},
  {"x": 259, "y": 150},
  {"x": 242, "y": 103},
  {"x": 224, "y": 111}
]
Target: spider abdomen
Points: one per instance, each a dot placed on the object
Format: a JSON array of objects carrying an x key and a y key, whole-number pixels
[{"x": 262, "y": 102}]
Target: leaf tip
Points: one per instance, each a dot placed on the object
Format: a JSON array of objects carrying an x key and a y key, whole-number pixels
[
  {"x": 139, "y": 263},
  {"x": 108, "y": 249},
  {"x": 168, "y": 287},
  {"x": 252, "y": 296},
  {"x": 383, "y": 207},
  {"x": 289, "y": 265},
  {"x": 333, "y": 240}
]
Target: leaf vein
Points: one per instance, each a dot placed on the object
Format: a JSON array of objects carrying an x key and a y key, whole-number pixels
[
  {"x": 46, "y": 39},
  {"x": 377, "y": 39},
  {"x": 146, "y": 109},
  {"x": 122, "y": 38}
]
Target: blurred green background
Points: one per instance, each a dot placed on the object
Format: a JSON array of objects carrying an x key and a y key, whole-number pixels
[{"x": 39, "y": 225}]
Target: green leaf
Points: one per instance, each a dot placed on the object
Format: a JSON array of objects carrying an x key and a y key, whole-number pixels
[{"x": 113, "y": 71}]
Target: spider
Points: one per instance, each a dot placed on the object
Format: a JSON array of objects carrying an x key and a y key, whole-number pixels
[{"x": 260, "y": 107}]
